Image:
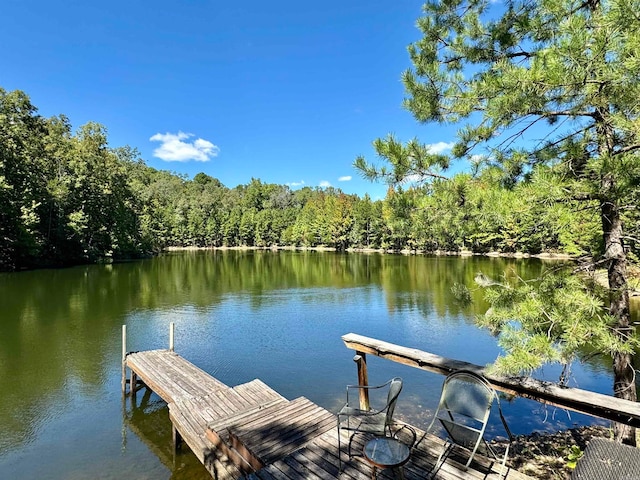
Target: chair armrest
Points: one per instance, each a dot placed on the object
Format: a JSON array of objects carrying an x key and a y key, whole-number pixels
[
  {"x": 366, "y": 387},
  {"x": 412, "y": 433},
  {"x": 369, "y": 387}
]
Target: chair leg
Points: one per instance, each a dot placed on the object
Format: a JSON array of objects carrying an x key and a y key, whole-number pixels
[
  {"x": 503, "y": 464},
  {"x": 351, "y": 437},
  {"x": 339, "y": 450},
  {"x": 473, "y": 452},
  {"x": 441, "y": 459},
  {"x": 503, "y": 472}
]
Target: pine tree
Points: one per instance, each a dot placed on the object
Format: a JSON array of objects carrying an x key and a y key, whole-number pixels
[{"x": 543, "y": 88}]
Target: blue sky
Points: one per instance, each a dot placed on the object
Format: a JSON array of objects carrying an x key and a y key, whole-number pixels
[{"x": 287, "y": 92}]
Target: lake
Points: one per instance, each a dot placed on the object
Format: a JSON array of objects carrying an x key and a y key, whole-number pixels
[{"x": 239, "y": 315}]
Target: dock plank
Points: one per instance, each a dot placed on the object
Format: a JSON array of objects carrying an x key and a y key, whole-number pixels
[
  {"x": 282, "y": 431},
  {"x": 219, "y": 465},
  {"x": 171, "y": 376},
  {"x": 242, "y": 416}
]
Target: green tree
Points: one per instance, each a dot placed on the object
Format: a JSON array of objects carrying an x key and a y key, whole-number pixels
[
  {"x": 550, "y": 86},
  {"x": 247, "y": 227},
  {"x": 232, "y": 227},
  {"x": 559, "y": 305},
  {"x": 397, "y": 212},
  {"x": 309, "y": 228},
  {"x": 65, "y": 198},
  {"x": 101, "y": 216},
  {"x": 22, "y": 155},
  {"x": 361, "y": 234}
]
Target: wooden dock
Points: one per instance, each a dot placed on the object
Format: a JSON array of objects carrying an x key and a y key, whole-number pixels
[{"x": 250, "y": 431}]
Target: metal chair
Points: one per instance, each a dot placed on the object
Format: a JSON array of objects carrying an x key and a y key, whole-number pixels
[
  {"x": 373, "y": 421},
  {"x": 463, "y": 412}
]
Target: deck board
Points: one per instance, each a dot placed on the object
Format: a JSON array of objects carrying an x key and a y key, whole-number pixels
[
  {"x": 171, "y": 376},
  {"x": 251, "y": 431},
  {"x": 287, "y": 429}
]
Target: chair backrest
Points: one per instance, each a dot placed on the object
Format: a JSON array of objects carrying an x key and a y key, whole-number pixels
[
  {"x": 464, "y": 407},
  {"x": 395, "y": 387}
]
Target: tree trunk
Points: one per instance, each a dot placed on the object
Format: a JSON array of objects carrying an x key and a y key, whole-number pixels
[{"x": 624, "y": 385}]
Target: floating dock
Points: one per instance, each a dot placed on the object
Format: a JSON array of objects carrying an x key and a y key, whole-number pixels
[{"x": 252, "y": 432}]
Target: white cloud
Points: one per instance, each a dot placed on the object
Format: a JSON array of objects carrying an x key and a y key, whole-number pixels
[
  {"x": 345, "y": 178},
  {"x": 440, "y": 147},
  {"x": 324, "y": 184},
  {"x": 296, "y": 184},
  {"x": 174, "y": 148}
]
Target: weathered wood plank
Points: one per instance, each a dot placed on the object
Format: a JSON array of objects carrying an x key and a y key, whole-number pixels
[
  {"x": 326, "y": 446},
  {"x": 319, "y": 465},
  {"x": 151, "y": 377},
  {"x": 193, "y": 379},
  {"x": 171, "y": 376},
  {"x": 583, "y": 401},
  {"x": 189, "y": 424},
  {"x": 288, "y": 412},
  {"x": 164, "y": 377},
  {"x": 267, "y": 434},
  {"x": 257, "y": 390},
  {"x": 242, "y": 416},
  {"x": 304, "y": 468},
  {"x": 291, "y": 430},
  {"x": 316, "y": 420},
  {"x": 300, "y": 432}
]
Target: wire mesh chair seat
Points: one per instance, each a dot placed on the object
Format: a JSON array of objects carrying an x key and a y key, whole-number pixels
[
  {"x": 463, "y": 412},
  {"x": 373, "y": 421}
]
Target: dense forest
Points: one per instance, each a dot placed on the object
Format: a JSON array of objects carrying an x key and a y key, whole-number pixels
[{"x": 68, "y": 197}]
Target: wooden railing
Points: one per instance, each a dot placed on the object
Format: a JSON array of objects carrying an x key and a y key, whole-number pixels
[{"x": 583, "y": 401}]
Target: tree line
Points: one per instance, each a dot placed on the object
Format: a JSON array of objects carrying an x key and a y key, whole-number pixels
[{"x": 68, "y": 198}]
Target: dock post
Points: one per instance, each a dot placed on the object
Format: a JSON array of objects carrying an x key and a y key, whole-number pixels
[
  {"x": 172, "y": 327},
  {"x": 177, "y": 438},
  {"x": 363, "y": 379},
  {"x": 133, "y": 387},
  {"x": 124, "y": 359}
]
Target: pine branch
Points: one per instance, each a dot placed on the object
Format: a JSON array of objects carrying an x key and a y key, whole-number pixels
[
  {"x": 563, "y": 113},
  {"x": 627, "y": 149}
]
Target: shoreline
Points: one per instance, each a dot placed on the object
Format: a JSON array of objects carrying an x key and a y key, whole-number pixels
[{"x": 438, "y": 253}]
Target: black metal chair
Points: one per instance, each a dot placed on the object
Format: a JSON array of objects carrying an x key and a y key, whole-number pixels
[{"x": 374, "y": 421}]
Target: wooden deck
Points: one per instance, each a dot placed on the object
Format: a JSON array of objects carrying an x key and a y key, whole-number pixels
[{"x": 250, "y": 431}]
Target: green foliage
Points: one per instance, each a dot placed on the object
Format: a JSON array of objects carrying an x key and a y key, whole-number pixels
[
  {"x": 552, "y": 319},
  {"x": 575, "y": 454},
  {"x": 66, "y": 198}
]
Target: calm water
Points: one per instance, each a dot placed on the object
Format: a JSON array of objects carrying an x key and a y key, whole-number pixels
[{"x": 239, "y": 315}]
